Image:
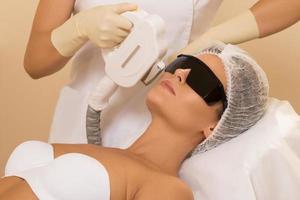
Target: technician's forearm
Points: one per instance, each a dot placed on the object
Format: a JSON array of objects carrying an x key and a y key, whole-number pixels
[
  {"x": 41, "y": 58},
  {"x": 238, "y": 29},
  {"x": 275, "y": 15}
]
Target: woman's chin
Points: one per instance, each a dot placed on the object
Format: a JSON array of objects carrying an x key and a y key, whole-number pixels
[{"x": 154, "y": 101}]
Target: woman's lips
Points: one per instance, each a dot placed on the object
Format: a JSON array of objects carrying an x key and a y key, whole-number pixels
[{"x": 168, "y": 85}]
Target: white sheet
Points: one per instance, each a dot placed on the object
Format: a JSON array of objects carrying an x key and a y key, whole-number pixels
[{"x": 263, "y": 163}]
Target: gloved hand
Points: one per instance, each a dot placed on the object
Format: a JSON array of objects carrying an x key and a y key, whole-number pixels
[
  {"x": 103, "y": 25},
  {"x": 239, "y": 29}
]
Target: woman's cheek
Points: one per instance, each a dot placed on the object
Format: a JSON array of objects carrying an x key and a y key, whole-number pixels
[{"x": 186, "y": 113}]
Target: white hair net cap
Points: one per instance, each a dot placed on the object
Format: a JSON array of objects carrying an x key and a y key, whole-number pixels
[{"x": 247, "y": 95}]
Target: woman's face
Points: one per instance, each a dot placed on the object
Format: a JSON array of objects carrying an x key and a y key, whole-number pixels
[{"x": 173, "y": 100}]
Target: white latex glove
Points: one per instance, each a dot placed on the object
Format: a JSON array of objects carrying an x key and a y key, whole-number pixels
[
  {"x": 103, "y": 25},
  {"x": 239, "y": 29}
]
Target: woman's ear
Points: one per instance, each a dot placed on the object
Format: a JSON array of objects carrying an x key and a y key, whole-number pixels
[
  {"x": 218, "y": 107},
  {"x": 208, "y": 131}
]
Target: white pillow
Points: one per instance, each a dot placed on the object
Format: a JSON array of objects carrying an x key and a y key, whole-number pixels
[{"x": 263, "y": 163}]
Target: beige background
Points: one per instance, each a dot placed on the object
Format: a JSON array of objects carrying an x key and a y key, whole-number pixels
[{"x": 27, "y": 106}]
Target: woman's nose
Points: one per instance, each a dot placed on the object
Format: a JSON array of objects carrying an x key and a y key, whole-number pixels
[{"x": 182, "y": 74}]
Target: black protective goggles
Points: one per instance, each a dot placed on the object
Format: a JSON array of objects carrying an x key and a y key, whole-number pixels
[{"x": 201, "y": 79}]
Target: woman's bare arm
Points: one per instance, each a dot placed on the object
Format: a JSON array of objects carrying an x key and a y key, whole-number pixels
[
  {"x": 276, "y": 15},
  {"x": 41, "y": 58},
  {"x": 16, "y": 191}
]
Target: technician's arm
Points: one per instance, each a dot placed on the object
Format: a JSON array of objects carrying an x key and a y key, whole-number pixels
[
  {"x": 273, "y": 16},
  {"x": 264, "y": 18},
  {"x": 41, "y": 58},
  {"x": 102, "y": 25}
]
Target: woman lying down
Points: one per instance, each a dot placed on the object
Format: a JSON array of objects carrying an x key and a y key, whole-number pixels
[{"x": 199, "y": 103}]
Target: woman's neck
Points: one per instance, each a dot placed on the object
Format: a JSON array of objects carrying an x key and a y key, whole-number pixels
[{"x": 164, "y": 147}]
